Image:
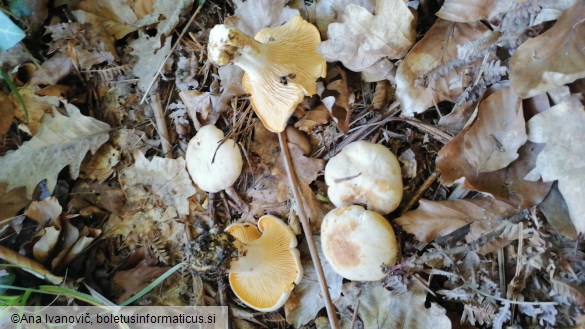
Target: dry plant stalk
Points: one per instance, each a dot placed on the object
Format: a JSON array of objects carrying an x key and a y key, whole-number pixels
[{"x": 294, "y": 185}]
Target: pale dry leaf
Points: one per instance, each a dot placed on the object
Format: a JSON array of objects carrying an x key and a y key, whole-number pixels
[
  {"x": 363, "y": 39},
  {"x": 472, "y": 10},
  {"x": 313, "y": 118},
  {"x": 200, "y": 107},
  {"x": 166, "y": 179},
  {"x": 111, "y": 10},
  {"x": 379, "y": 308},
  {"x": 306, "y": 300},
  {"x": 44, "y": 212},
  {"x": 335, "y": 97},
  {"x": 306, "y": 168},
  {"x": 61, "y": 141},
  {"x": 490, "y": 143},
  {"x": 420, "y": 82},
  {"x": 555, "y": 58},
  {"x": 433, "y": 219},
  {"x": 52, "y": 70},
  {"x": 48, "y": 238},
  {"x": 554, "y": 208},
  {"x": 151, "y": 51},
  {"x": 561, "y": 130},
  {"x": 331, "y": 11},
  {"x": 231, "y": 85},
  {"x": 253, "y": 15}
]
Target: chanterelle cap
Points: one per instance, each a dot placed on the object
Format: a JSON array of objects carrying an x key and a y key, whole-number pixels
[
  {"x": 282, "y": 65},
  {"x": 268, "y": 266}
]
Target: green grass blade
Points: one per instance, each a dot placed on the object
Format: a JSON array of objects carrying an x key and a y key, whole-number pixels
[{"x": 154, "y": 283}]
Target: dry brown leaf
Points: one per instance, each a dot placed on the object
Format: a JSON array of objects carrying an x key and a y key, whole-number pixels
[
  {"x": 61, "y": 141},
  {"x": 101, "y": 165},
  {"x": 105, "y": 196},
  {"x": 306, "y": 300},
  {"x": 561, "y": 130},
  {"x": 131, "y": 281},
  {"x": 378, "y": 308},
  {"x": 52, "y": 70},
  {"x": 44, "y": 212},
  {"x": 554, "y": 208},
  {"x": 490, "y": 143},
  {"x": 433, "y": 219},
  {"x": 335, "y": 97},
  {"x": 363, "y": 39},
  {"x": 164, "y": 180},
  {"x": 313, "y": 118},
  {"x": 6, "y": 113},
  {"x": 11, "y": 202},
  {"x": 555, "y": 58},
  {"x": 37, "y": 107},
  {"x": 48, "y": 238},
  {"x": 418, "y": 84}
]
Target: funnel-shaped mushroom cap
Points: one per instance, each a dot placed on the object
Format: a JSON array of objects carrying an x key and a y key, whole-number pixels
[
  {"x": 268, "y": 266},
  {"x": 365, "y": 173},
  {"x": 358, "y": 243},
  {"x": 281, "y": 66},
  {"x": 213, "y": 166}
]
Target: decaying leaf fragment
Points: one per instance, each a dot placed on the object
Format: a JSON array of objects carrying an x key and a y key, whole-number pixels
[
  {"x": 378, "y": 308},
  {"x": 431, "y": 72},
  {"x": 552, "y": 59},
  {"x": 61, "y": 141},
  {"x": 363, "y": 39},
  {"x": 491, "y": 143},
  {"x": 165, "y": 179},
  {"x": 561, "y": 130},
  {"x": 433, "y": 219}
]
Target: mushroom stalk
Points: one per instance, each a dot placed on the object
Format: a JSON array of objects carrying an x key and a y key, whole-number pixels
[{"x": 293, "y": 182}]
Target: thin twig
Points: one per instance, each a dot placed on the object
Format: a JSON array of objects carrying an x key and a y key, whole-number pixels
[
  {"x": 161, "y": 125},
  {"x": 292, "y": 178},
  {"x": 162, "y": 64},
  {"x": 421, "y": 191}
]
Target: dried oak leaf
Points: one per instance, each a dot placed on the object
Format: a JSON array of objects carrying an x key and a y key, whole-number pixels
[
  {"x": 61, "y": 141},
  {"x": 433, "y": 219},
  {"x": 331, "y": 11},
  {"x": 555, "y": 58},
  {"x": 37, "y": 106},
  {"x": 362, "y": 38},
  {"x": 561, "y": 130},
  {"x": 253, "y": 15},
  {"x": 379, "y": 308},
  {"x": 101, "y": 165},
  {"x": 336, "y": 97},
  {"x": 130, "y": 282},
  {"x": 165, "y": 179},
  {"x": 114, "y": 17},
  {"x": 151, "y": 51},
  {"x": 306, "y": 300},
  {"x": 431, "y": 71},
  {"x": 490, "y": 143}
]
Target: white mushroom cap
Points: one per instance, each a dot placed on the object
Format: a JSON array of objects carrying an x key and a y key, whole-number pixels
[
  {"x": 213, "y": 166},
  {"x": 358, "y": 243},
  {"x": 268, "y": 266},
  {"x": 282, "y": 65},
  {"x": 365, "y": 173}
]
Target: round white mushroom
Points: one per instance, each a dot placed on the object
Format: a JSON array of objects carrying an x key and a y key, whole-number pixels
[
  {"x": 358, "y": 243},
  {"x": 213, "y": 165},
  {"x": 365, "y": 173}
]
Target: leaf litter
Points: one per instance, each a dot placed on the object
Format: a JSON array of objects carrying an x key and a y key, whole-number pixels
[{"x": 482, "y": 105}]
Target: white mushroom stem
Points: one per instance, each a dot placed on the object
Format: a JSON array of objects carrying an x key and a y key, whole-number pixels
[{"x": 293, "y": 182}]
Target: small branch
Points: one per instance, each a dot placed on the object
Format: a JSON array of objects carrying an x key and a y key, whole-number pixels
[
  {"x": 293, "y": 182},
  {"x": 161, "y": 125}
]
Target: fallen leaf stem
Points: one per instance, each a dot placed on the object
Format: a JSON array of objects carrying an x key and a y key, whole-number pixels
[{"x": 294, "y": 186}]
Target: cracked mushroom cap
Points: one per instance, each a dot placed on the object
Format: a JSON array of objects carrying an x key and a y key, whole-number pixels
[
  {"x": 282, "y": 65},
  {"x": 213, "y": 165},
  {"x": 268, "y": 266},
  {"x": 365, "y": 173},
  {"x": 358, "y": 243}
]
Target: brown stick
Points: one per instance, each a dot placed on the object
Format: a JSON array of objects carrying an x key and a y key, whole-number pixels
[
  {"x": 293, "y": 182},
  {"x": 161, "y": 125}
]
